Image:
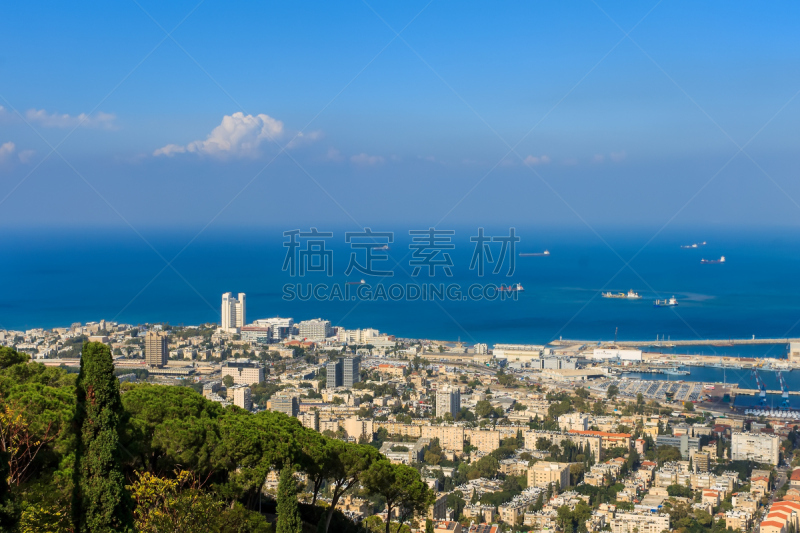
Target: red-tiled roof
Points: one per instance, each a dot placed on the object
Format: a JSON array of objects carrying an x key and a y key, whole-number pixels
[
  {"x": 796, "y": 475},
  {"x": 772, "y": 523}
]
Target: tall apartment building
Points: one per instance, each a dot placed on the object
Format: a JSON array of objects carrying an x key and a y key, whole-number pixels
[
  {"x": 243, "y": 372},
  {"x": 281, "y": 327},
  {"x": 544, "y": 473},
  {"x": 345, "y": 372},
  {"x": 448, "y": 401},
  {"x": 233, "y": 312},
  {"x": 759, "y": 447},
  {"x": 155, "y": 349},
  {"x": 684, "y": 443},
  {"x": 242, "y": 397},
  {"x": 287, "y": 405},
  {"x": 316, "y": 329}
]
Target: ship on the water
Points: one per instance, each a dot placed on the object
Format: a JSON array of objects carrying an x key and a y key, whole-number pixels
[
  {"x": 537, "y": 254},
  {"x": 629, "y": 296},
  {"x": 713, "y": 261},
  {"x": 676, "y": 372},
  {"x": 511, "y": 288},
  {"x": 672, "y": 302},
  {"x": 695, "y": 245}
]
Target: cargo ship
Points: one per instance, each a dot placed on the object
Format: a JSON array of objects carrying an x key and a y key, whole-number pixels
[
  {"x": 713, "y": 261},
  {"x": 511, "y": 288},
  {"x": 666, "y": 303},
  {"x": 629, "y": 296}
]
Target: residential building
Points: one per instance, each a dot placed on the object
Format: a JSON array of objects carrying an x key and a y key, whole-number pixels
[
  {"x": 287, "y": 405},
  {"x": 544, "y": 473},
  {"x": 758, "y": 447},
  {"x": 738, "y": 519},
  {"x": 684, "y": 443},
  {"x": 700, "y": 461},
  {"x": 640, "y": 523},
  {"x": 233, "y": 312},
  {"x": 486, "y": 440},
  {"x": 310, "y": 419},
  {"x": 574, "y": 421},
  {"x": 609, "y": 440},
  {"x": 344, "y": 372},
  {"x": 446, "y": 526},
  {"x": 358, "y": 428},
  {"x": 155, "y": 349},
  {"x": 448, "y": 401},
  {"x": 241, "y": 396},
  {"x": 281, "y": 327},
  {"x": 256, "y": 334},
  {"x": 316, "y": 329},
  {"x": 243, "y": 371}
]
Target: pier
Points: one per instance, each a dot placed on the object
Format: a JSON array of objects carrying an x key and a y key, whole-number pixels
[{"x": 665, "y": 343}]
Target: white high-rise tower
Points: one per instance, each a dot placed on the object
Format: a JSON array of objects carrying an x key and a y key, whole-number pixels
[{"x": 234, "y": 313}]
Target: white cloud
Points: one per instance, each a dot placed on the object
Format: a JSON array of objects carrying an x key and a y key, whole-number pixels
[
  {"x": 364, "y": 159},
  {"x": 533, "y": 160},
  {"x": 598, "y": 158},
  {"x": 238, "y": 135},
  {"x": 26, "y": 155},
  {"x": 334, "y": 155},
  {"x": 170, "y": 150},
  {"x": 301, "y": 138},
  {"x": 55, "y": 120},
  {"x": 618, "y": 156},
  {"x": 7, "y": 150}
]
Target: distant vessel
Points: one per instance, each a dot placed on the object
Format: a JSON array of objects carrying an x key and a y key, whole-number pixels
[
  {"x": 511, "y": 288},
  {"x": 356, "y": 282},
  {"x": 695, "y": 245},
  {"x": 666, "y": 303},
  {"x": 713, "y": 261},
  {"x": 629, "y": 296},
  {"x": 535, "y": 254},
  {"x": 384, "y": 247}
]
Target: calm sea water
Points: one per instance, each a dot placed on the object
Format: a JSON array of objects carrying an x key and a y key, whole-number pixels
[{"x": 53, "y": 278}]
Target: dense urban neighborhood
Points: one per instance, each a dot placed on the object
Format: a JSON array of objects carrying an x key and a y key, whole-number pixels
[{"x": 302, "y": 426}]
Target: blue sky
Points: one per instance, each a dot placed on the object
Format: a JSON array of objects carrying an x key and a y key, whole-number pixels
[{"x": 416, "y": 129}]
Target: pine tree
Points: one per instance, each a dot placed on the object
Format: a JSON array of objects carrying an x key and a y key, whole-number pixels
[
  {"x": 288, "y": 512},
  {"x": 100, "y": 502}
]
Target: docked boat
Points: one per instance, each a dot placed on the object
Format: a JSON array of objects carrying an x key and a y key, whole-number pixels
[
  {"x": 713, "y": 261},
  {"x": 676, "y": 372},
  {"x": 631, "y": 295},
  {"x": 672, "y": 302}
]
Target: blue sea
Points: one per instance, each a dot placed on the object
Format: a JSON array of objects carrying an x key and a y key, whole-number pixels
[{"x": 59, "y": 276}]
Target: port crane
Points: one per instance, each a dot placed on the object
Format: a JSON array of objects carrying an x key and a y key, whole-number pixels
[
  {"x": 784, "y": 392},
  {"x": 762, "y": 389}
]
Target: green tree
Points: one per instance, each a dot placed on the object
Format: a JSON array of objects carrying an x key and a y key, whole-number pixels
[
  {"x": 288, "y": 512},
  {"x": 348, "y": 464},
  {"x": 612, "y": 392},
  {"x": 401, "y": 487},
  {"x": 228, "y": 381},
  {"x": 100, "y": 501}
]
